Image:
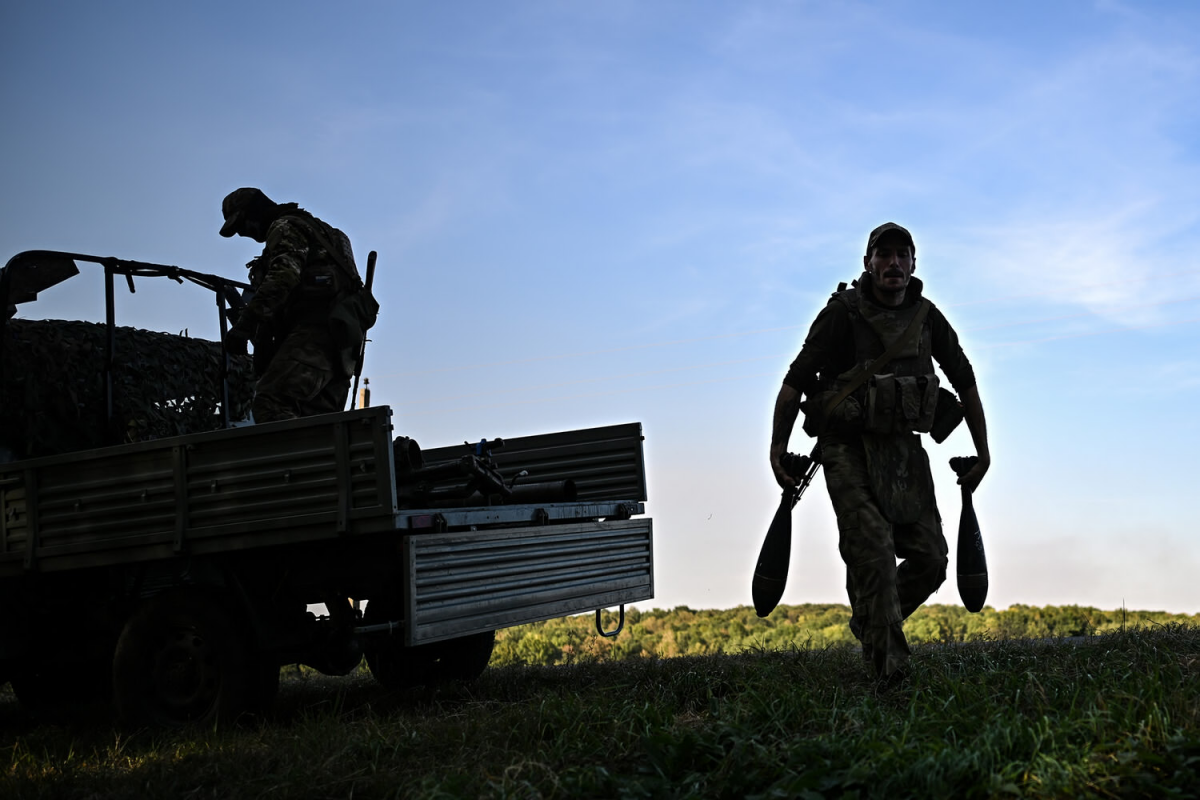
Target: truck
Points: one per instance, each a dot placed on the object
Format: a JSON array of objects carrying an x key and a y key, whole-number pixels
[{"x": 164, "y": 560}]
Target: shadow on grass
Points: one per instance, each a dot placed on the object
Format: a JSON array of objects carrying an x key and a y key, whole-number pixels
[{"x": 1112, "y": 715}]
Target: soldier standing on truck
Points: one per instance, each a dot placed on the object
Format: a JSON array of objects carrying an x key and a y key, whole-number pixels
[
  {"x": 304, "y": 283},
  {"x": 876, "y": 470}
]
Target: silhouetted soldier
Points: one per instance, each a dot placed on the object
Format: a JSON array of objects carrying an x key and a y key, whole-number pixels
[
  {"x": 305, "y": 269},
  {"x": 867, "y": 412}
]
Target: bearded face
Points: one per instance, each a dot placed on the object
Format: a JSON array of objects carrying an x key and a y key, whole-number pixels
[{"x": 891, "y": 265}]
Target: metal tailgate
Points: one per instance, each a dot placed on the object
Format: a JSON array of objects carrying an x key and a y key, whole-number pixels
[{"x": 471, "y": 581}]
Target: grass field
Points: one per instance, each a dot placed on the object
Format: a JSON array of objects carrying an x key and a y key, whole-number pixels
[{"x": 1116, "y": 715}]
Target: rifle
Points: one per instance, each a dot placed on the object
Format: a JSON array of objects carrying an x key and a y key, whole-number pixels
[
  {"x": 362, "y": 351},
  {"x": 770, "y": 573},
  {"x": 971, "y": 561}
]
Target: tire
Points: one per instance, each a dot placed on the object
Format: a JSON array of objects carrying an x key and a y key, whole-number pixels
[
  {"x": 398, "y": 667},
  {"x": 466, "y": 658},
  {"x": 181, "y": 660},
  {"x": 395, "y": 666}
]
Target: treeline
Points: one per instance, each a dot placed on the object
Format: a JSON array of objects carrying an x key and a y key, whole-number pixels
[{"x": 684, "y": 631}]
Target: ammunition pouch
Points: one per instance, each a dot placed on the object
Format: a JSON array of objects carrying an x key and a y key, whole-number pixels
[
  {"x": 844, "y": 418},
  {"x": 318, "y": 282},
  {"x": 887, "y": 404},
  {"x": 946, "y": 416},
  {"x": 900, "y": 403}
]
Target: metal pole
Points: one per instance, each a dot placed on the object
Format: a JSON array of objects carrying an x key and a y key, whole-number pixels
[
  {"x": 110, "y": 321},
  {"x": 223, "y": 319}
]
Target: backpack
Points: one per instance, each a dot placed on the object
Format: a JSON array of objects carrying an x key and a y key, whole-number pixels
[{"x": 352, "y": 309}]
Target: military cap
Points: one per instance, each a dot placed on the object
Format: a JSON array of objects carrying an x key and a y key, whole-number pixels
[
  {"x": 885, "y": 229},
  {"x": 237, "y": 203}
]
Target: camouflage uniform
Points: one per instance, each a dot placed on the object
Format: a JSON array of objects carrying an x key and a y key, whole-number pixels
[
  {"x": 302, "y": 379},
  {"x": 879, "y": 480},
  {"x": 294, "y": 281}
]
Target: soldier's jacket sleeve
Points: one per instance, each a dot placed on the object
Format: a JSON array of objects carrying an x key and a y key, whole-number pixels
[
  {"x": 286, "y": 253},
  {"x": 828, "y": 349},
  {"x": 949, "y": 353}
]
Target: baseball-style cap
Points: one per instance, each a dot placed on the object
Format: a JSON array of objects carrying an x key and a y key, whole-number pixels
[
  {"x": 884, "y": 230},
  {"x": 235, "y": 205}
]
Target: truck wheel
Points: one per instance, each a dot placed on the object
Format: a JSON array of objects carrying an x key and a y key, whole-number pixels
[
  {"x": 391, "y": 663},
  {"x": 181, "y": 660},
  {"x": 466, "y": 658},
  {"x": 399, "y": 667}
]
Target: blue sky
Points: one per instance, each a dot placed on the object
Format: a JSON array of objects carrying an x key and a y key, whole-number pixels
[{"x": 590, "y": 213}]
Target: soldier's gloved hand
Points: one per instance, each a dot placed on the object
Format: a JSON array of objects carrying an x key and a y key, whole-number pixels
[
  {"x": 235, "y": 301},
  {"x": 973, "y": 477},
  {"x": 242, "y": 331}
]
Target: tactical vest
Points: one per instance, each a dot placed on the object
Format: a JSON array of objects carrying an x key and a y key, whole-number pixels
[
  {"x": 905, "y": 396},
  {"x": 331, "y": 292},
  {"x": 325, "y": 274},
  {"x": 329, "y": 270}
]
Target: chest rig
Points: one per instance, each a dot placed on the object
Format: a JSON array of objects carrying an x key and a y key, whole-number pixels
[
  {"x": 894, "y": 387},
  {"x": 904, "y": 398}
]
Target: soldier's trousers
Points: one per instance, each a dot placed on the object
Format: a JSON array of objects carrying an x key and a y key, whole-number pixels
[
  {"x": 303, "y": 378},
  {"x": 882, "y": 595}
]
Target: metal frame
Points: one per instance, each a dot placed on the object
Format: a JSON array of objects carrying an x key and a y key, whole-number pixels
[
  {"x": 438, "y": 519},
  {"x": 223, "y": 288}
]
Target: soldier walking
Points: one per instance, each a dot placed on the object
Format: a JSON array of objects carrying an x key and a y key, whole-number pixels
[{"x": 867, "y": 379}]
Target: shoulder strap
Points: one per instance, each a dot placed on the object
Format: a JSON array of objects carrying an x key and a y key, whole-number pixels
[
  {"x": 848, "y": 297},
  {"x": 873, "y": 368}
]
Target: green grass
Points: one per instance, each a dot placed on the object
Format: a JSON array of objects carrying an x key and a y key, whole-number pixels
[{"x": 1116, "y": 715}]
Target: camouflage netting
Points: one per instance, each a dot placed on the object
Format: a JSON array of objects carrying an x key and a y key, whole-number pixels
[{"x": 52, "y": 392}]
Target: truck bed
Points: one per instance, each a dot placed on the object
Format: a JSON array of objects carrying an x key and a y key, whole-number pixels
[{"x": 322, "y": 479}]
